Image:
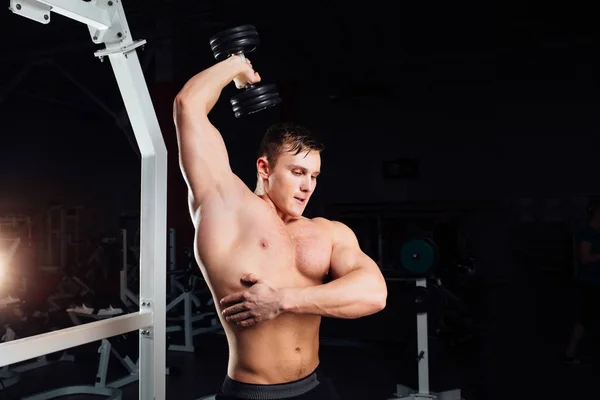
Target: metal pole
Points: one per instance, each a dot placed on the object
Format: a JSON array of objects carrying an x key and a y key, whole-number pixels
[{"x": 172, "y": 259}]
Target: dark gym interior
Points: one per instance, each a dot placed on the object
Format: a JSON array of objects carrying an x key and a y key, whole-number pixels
[{"x": 460, "y": 148}]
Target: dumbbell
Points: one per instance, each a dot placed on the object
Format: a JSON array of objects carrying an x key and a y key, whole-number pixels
[{"x": 240, "y": 41}]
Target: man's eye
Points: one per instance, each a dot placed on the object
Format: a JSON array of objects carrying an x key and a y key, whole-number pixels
[{"x": 297, "y": 173}]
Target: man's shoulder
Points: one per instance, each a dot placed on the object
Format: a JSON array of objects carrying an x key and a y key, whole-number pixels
[
  {"x": 327, "y": 223},
  {"x": 336, "y": 229}
]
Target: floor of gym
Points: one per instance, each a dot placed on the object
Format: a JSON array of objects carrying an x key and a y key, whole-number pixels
[{"x": 518, "y": 356}]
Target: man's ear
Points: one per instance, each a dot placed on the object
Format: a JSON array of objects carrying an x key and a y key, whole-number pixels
[{"x": 262, "y": 167}]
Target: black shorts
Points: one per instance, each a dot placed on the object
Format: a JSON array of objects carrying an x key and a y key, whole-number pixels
[
  {"x": 589, "y": 314},
  {"x": 313, "y": 387}
]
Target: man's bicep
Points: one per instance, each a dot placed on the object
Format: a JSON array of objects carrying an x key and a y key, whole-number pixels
[
  {"x": 203, "y": 157},
  {"x": 346, "y": 254}
]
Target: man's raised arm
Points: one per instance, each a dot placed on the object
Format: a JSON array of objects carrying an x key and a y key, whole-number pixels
[{"x": 203, "y": 157}]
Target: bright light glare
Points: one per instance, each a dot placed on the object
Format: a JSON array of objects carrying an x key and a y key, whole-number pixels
[{"x": 2, "y": 265}]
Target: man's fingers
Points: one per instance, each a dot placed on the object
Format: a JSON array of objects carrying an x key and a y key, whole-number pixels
[
  {"x": 247, "y": 323},
  {"x": 236, "y": 308},
  {"x": 232, "y": 299},
  {"x": 239, "y": 317}
]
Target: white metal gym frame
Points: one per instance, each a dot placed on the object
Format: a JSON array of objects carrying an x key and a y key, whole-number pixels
[
  {"x": 184, "y": 323},
  {"x": 108, "y": 25},
  {"x": 423, "y": 392}
]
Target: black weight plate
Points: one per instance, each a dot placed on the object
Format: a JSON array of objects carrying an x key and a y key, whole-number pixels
[
  {"x": 233, "y": 37},
  {"x": 254, "y": 95},
  {"x": 256, "y": 102},
  {"x": 418, "y": 256},
  {"x": 242, "y": 45},
  {"x": 240, "y": 39},
  {"x": 255, "y": 99},
  {"x": 256, "y": 107},
  {"x": 254, "y": 92},
  {"x": 231, "y": 31}
]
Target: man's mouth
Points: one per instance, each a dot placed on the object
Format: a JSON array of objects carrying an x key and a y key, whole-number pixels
[{"x": 300, "y": 200}]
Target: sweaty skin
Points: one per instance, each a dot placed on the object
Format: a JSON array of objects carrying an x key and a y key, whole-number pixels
[{"x": 239, "y": 232}]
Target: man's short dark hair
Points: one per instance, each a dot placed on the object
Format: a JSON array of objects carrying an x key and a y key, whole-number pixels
[{"x": 283, "y": 137}]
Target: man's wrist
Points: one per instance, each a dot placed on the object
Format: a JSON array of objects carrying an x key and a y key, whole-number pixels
[
  {"x": 288, "y": 302},
  {"x": 210, "y": 82},
  {"x": 234, "y": 66}
]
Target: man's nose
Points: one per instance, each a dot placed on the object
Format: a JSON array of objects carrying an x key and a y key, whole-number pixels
[{"x": 307, "y": 185}]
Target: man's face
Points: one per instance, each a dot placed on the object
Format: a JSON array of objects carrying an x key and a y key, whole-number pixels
[{"x": 293, "y": 180}]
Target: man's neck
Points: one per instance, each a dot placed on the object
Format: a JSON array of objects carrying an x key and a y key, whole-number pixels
[{"x": 283, "y": 216}]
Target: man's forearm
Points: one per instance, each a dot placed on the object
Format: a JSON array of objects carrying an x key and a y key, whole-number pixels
[
  {"x": 204, "y": 88},
  {"x": 357, "y": 294}
]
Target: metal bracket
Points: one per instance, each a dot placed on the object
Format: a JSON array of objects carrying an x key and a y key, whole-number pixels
[
  {"x": 31, "y": 9},
  {"x": 123, "y": 49},
  {"x": 115, "y": 32},
  {"x": 105, "y": 18},
  {"x": 146, "y": 333}
]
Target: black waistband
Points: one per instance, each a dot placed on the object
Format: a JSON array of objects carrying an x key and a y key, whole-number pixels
[{"x": 278, "y": 391}]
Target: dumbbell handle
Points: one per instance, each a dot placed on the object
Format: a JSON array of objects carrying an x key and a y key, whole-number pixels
[
  {"x": 243, "y": 57},
  {"x": 241, "y": 54}
]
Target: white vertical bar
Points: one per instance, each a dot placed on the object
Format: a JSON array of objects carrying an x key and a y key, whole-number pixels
[
  {"x": 187, "y": 321},
  {"x": 153, "y": 243},
  {"x": 172, "y": 259},
  {"x": 104, "y": 352},
  {"x": 422, "y": 346}
]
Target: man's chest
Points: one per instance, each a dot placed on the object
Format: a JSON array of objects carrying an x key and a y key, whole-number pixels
[
  {"x": 303, "y": 246},
  {"x": 312, "y": 250}
]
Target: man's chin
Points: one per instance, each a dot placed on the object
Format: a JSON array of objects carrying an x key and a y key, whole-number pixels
[{"x": 295, "y": 211}]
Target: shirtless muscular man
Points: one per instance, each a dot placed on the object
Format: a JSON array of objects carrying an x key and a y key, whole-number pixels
[{"x": 272, "y": 272}]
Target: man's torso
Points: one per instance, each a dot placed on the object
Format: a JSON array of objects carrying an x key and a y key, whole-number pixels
[{"x": 232, "y": 241}]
